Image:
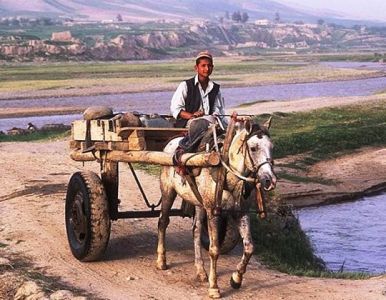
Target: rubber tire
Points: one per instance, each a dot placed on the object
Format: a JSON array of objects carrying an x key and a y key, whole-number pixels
[
  {"x": 86, "y": 193},
  {"x": 229, "y": 235}
]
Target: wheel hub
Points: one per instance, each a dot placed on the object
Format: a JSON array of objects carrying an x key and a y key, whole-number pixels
[{"x": 78, "y": 219}]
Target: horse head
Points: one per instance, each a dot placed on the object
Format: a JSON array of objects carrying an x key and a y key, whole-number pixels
[{"x": 250, "y": 153}]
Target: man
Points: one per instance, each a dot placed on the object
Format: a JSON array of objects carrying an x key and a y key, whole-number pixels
[
  {"x": 197, "y": 96},
  {"x": 194, "y": 101}
]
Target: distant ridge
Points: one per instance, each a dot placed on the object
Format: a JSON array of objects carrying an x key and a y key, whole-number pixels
[{"x": 171, "y": 10}]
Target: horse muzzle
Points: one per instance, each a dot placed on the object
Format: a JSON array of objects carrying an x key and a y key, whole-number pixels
[{"x": 268, "y": 182}]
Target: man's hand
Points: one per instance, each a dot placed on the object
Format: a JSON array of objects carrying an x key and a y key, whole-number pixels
[
  {"x": 198, "y": 114},
  {"x": 187, "y": 115}
]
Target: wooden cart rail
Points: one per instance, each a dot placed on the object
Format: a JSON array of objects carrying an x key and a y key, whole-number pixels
[
  {"x": 107, "y": 140},
  {"x": 110, "y": 133},
  {"x": 149, "y": 157}
]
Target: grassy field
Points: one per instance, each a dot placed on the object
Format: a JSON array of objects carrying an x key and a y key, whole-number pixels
[
  {"x": 161, "y": 75},
  {"x": 179, "y": 68},
  {"x": 35, "y": 136},
  {"x": 329, "y": 132}
]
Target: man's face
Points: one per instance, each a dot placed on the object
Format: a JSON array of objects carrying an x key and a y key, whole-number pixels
[{"x": 204, "y": 67}]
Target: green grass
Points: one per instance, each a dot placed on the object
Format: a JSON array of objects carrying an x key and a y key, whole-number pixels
[
  {"x": 63, "y": 71},
  {"x": 2, "y": 245},
  {"x": 280, "y": 242},
  {"x": 154, "y": 170},
  {"x": 34, "y": 136},
  {"x": 329, "y": 132},
  {"x": 347, "y": 57}
]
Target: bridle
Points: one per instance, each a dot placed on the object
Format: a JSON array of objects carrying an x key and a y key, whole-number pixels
[{"x": 249, "y": 162}]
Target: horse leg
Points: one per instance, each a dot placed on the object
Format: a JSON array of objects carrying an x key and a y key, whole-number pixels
[
  {"x": 198, "y": 261},
  {"x": 214, "y": 251},
  {"x": 168, "y": 197},
  {"x": 245, "y": 232}
]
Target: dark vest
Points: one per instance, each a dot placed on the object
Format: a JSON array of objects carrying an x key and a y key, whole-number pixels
[{"x": 193, "y": 100}]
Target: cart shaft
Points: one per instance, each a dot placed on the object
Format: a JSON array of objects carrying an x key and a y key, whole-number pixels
[{"x": 150, "y": 157}]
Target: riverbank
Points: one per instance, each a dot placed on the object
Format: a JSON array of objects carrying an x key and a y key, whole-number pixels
[{"x": 346, "y": 178}]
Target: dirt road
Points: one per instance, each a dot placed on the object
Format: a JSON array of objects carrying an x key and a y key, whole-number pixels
[{"x": 33, "y": 185}]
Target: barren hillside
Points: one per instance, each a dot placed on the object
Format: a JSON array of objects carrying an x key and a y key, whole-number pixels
[{"x": 152, "y": 9}]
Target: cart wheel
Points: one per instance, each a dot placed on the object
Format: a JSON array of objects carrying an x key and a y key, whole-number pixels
[
  {"x": 87, "y": 216},
  {"x": 228, "y": 234}
]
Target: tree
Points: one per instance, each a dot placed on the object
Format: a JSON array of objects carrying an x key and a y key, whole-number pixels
[
  {"x": 277, "y": 17},
  {"x": 244, "y": 17},
  {"x": 119, "y": 18},
  {"x": 236, "y": 16}
]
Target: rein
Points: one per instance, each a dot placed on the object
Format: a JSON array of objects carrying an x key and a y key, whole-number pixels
[
  {"x": 254, "y": 169},
  {"x": 225, "y": 165}
]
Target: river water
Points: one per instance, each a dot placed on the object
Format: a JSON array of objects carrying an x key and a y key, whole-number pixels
[
  {"x": 352, "y": 234},
  {"x": 159, "y": 101}
]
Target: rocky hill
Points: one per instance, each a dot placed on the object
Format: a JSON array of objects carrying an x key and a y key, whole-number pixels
[{"x": 28, "y": 41}]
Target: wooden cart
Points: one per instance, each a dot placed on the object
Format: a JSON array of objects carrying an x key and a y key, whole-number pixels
[{"x": 92, "y": 200}]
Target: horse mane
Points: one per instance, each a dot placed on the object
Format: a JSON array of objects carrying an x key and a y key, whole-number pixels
[
  {"x": 259, "y": 130},
  {"x": 256, "y": 129}
]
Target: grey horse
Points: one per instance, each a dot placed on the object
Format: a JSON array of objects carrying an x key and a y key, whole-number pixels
[{"x": 250, "y": 160}]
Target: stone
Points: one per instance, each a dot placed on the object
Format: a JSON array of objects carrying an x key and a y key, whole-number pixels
[
  {"x": 97, "y": 112},
  {"x": 30, "y": 291},
  {"x": 62, "y": 295},
  {"x": 4, "y": 261}
]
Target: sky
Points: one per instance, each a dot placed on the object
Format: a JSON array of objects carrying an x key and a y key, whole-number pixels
[{"x": 361, "y": 9}]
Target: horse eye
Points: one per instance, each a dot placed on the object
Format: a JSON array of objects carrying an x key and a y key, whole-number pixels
[{"x": 253, "y": 149}]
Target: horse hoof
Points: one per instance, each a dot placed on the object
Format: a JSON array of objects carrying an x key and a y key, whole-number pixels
[
  {"x": 214, "y": 293},
  {"x": 202, "y": 277},
  {"x": 234, "y": 284},
  {"x": 162, "y": 266}
]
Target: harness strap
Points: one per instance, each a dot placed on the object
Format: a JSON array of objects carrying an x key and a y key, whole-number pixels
[
  {"x": 260, "y": 201},
  {"x": 237, "y": 174},
  {"x": 192, "y": 183},
  {"x": 221, "y": 171},
  {"x": 88, "y": 143}
]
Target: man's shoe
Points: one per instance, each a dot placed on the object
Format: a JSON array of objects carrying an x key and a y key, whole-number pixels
[
  {"x": 180, "y": 168},
  {"x": 177, "y": 156}
]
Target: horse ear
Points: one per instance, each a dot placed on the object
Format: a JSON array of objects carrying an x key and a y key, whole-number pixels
[
  {"x": 267, "y": 123},
  {"x": 248, "y": 125}
]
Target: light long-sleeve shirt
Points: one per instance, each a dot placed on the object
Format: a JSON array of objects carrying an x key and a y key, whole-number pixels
[{"x": 178, "y": 100}]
